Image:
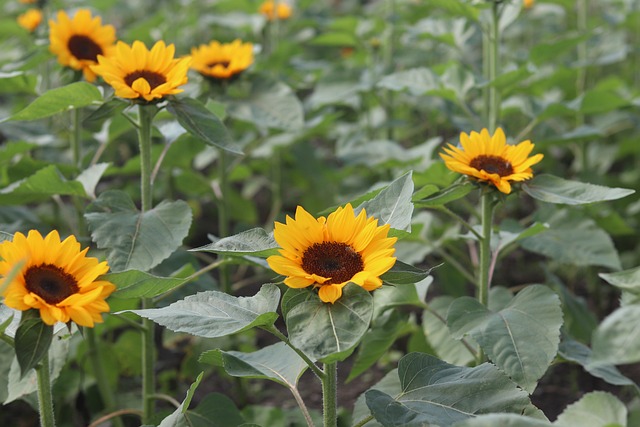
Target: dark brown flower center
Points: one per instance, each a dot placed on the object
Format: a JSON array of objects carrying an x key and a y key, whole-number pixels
[
  {"x": 154, "y": 79},
  {"x": 225, "y": 64},
  {"x": 50, "y": 282},
  {"x": 337, "y": 261},
  {"x": 492, "y": 164},
  {"x": 82, "y": 47}
]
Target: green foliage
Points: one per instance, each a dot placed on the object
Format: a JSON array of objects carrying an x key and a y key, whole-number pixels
[{"x": 32, "y": 341}]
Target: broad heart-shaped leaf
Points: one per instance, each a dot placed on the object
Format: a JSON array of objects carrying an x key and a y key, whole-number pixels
[
  {"x": 256, "y": 242},
  {"x": 435, "y": 329},
  {"x": 551, "y": 189},
  {"x": 138, "y": 284},
  {"x": 271, "y": 105},
  {"x": 216, "y": 314},
  {"x": 277, "y": 362},
  {"x": 581, "y": 354},
  {"x": 330, "y": 332},
  {"x": 435, "y": 392},
  {"x": 393, "y": 204},
  {"x": 521, "y": 339},
  {"x": 136, "y": 240},
  {"x": 32, "y": 341},
  {"x": 617, "y": 338},
  {"x": 40, "y": 186},
  {"x": 595, "y": 409},
  {"x": 75, "y": 95},
  {"x": 202, "y": 123}
]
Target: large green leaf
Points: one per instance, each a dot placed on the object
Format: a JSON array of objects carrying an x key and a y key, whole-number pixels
[
  {"x": 521, "y": 339},
  {"x": 393, "y": 204},
  {"x": 502, "y": 420},
  {"x": 75, "y": 95},
  {"x": 437, "y": 333},
  {"x": 40, "y": 186},
  {"x": 389, "y": 384},
  {"x": 277, "y": 362},
  {"x": 32, "y": 341},
  {"x": 617, "y": 339},
  {"x": 271, "y": 105},
  {"x": 627, "y": 280},
  {"x": 595, "y": 409},
  {"x": 406, "y": 294},
  {"x": 552, "y": 189},
  {"x": 404, "y": 274},
  {"x": 138, "y": 284},
  {"x": 216, "y": 314},
  {"x": 418, "y": 81},
  {"x": 435, "y": 392},
  {"x": 330, "y": 331},
  {"x": 256, "y": 242},
  {"x": 136, "y": 240},
  {"x": 202, "y": 123}
]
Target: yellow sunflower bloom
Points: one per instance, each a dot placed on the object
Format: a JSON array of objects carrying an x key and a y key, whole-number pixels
[
  {"x": 136, "y": 72},
  {"x": 79, "y": 40},
  {"x": 329, "y": 253},
  {"x": 489, "y": 158},
  {"x": 528, "y": 3},
  {"x": 268, "y": 9},
  {"x": 222, "y": 60},
  {"x": 30, "y": 19},
  {"x": 56, "y": 278}
]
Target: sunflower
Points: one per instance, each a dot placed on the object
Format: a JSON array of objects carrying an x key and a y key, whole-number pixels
[
  {"x": 136, "y": 72},
  {"x": 56, "y": 278},
  {"x": 329, "y": 253},
  {"x": 222, "y": 60},
  {"x": 528, "y": 3},
  {"x": 79, "y": 40},
  {"x": 489, "y": 158},
  {"x": 30, "y": 19},
  {"x": 268, "y": 9}
]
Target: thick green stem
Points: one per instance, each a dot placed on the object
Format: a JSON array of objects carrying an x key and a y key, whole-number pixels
[
  {"x": 223, "y": 216},
  {"x": 148, "y": 367},
  {"x": 76, "y": 136},
  {"x": 95, "y": 358},
  {"x": 492, "y": 68},
  {"x": 484, "y": 269},
  {"x": 45, "y": 398},
  {"x": 330, "y": 395},
  {"x": 581, "y": 12},
  {"x": 145, "y": 119}
]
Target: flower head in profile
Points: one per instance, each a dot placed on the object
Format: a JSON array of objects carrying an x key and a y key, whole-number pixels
[
  {"x": 30, "y": 19},
  {"x": 489, "y": 158},
  {"x": 271, "y": 11},
  {"x": 222, "y": 60},
  {"x": 56, "y": 277},
  {"x": 136, "y": 72},
  {"x": 328, "y": 253},
  {"x": 79, "y": 40}
]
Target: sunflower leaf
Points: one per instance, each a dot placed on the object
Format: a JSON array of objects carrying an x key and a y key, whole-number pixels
[
  {"x": 552, "y": 189},
  {"x": 40, "y": 186},
  {"x": 138, "y": 284},
  {"x": 136, "y": 240},
  {"x": 277, "y": 362},
  {"x": 32, "y": 341},
  {"x": 177, "y": 417},
  {"x": 216, "y": 314},
  {"x": 393, "y": 204},
  {"x": 446, "y": 195},
  {"x": 404, "y": 274},
  {"x": 521, "y": 339},
  {"x": 435, "y": 392},
  {"x": 617, "y": 338},
  {"x": 256, "y": 242},
  {"x": 594, "y": 409},
  {"x": 202, "y": 123},
  {"x": 502, "y": 420},
  {"x": 75, "y": 95},
  {"x": 329, "y": 332}
]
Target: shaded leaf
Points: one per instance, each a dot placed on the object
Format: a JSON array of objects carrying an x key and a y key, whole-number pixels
[
  {"x": 552, "y": 189},
  {"x": 521, "y": 339},
  {"x": 177, "y": 418},
  {"x": 256, "y": 242},
  {"x": 435, "y": 329},
  {"x": 446, "y": 195},
  {"x": 32, "y": 341},
  {"x": 627, "y": 280},
  {"x": 404, "y": 274},
  {"x": 502, "y": 420},
  {"x": 418, "y": 81},
  {"x": 393, "y": 204},
  {"x": 40, "y": 186},
  {"x": 138, "y": 284},
  {"x": 136, "y": 240},
  {"x": 617, "y": 339},
  {"x": 216, "y": 314},
  {"x": 75, "y": 95}
]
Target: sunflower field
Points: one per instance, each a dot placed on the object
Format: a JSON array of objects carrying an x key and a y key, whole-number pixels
[{"x": 219, "y": 213}]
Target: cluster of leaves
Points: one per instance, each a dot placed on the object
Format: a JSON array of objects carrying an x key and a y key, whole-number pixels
[{"x": 347, "y": 102}]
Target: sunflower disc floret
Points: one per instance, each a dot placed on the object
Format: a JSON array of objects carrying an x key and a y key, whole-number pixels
[
  {"x": 489, "y": 158},
  {"x": 56, "y": 278},
  {"x": 327, "y": 253},
  {"x": 136, "y": 72}
]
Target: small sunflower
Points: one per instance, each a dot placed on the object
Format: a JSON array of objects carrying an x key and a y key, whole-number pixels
[
  {"x": 222, "y": 60},
  {"x": 136, "y": 72},
  {"x": 79, "y": 40},
  {"x": 489, "y": 158},
  {"x": 56, "y": 278},
  {"x": 269, "y": 9},
  {"x": 528, "y": 3},
  {"x": 329, "y": 253},
  {"x": 30, "y": 19}
]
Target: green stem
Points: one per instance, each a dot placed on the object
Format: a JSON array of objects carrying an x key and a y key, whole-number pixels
[
  {"x": 492, "y": 68},
  {"x": 330, "y": 394},
  {"x": 95, "y": 358},
  {"x": 314, "y": 368},
  {"x": 581, "y": 11},
  {"x": 76, "y": 136},
  {"x": 223, "y": 216},
  {"x": 45, "y": 399},
  {"x": 363, "y": 421},
  {"x": 145, "y": 119},
  {"x": 484, "y": 273}
]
